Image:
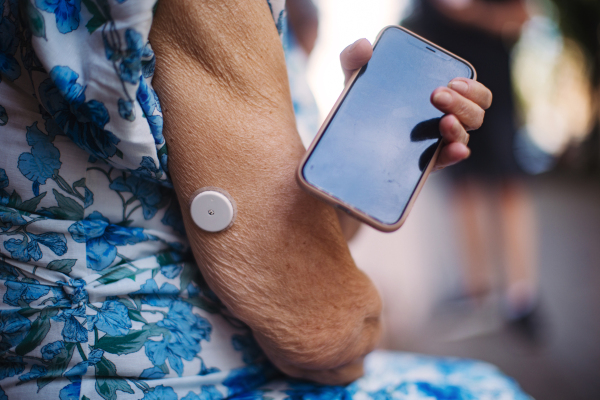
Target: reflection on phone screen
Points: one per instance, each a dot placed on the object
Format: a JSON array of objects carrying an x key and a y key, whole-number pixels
[{"x": 376, "y": 147}]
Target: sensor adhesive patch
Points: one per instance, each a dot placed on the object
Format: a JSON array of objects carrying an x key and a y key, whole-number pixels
[{"x": 212, "y": 209}]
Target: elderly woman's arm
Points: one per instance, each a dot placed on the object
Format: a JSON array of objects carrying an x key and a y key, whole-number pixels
[{"x": 284, "y": 267}]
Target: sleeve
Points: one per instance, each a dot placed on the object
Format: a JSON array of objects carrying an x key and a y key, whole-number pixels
[{"x": 97, "y": 80}]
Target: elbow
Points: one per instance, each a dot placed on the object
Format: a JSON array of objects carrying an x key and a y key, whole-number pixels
[
  {"x": 333, "y": 347},
  {"x": 327, "y": 349}
]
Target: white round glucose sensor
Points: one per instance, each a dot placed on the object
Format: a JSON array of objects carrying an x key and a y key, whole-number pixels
[{"x": 212, "y": 209}]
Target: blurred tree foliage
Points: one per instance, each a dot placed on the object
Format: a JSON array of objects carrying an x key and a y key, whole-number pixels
[{"x": 580, "y": 21}]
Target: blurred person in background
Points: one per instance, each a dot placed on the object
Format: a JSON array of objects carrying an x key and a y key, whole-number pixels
[{"x": 490, "y": 198}]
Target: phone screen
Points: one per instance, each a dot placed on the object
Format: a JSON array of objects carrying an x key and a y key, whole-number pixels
[{"x": 376, "y": 147}]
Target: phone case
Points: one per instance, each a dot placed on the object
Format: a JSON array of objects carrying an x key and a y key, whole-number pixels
[{"x": 337, "y": 202}]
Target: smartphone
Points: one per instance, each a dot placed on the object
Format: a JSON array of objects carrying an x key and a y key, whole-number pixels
[{"x": 378, "y": 144}]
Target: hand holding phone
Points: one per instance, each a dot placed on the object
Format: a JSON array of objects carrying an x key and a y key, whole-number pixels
[
  {"x": 474, "y": 98},
  {"x": 462, "y": 101}
]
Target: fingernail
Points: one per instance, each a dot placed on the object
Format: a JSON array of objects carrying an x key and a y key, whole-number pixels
[
  {"x": 442, "y": 99},
  {"x": 353, "y": 45},
  {"x": 459, "y": 86}
]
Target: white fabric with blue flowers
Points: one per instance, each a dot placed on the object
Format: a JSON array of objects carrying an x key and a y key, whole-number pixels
[{"x": 100, "y": 297}]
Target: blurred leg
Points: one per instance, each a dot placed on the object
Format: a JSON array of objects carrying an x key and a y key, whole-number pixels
[
  {"x": 474, "y": 211},
  {"x": 520, "y": 248}
]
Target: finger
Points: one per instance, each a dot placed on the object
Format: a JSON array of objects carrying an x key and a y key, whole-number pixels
[
  {"x": 355, "y": 56},
  {"x": 451, "y": 154},
  {"x": 450, "y": 102},
  {"x": 452, "y": 130},
  {"x": 473, "y": 91}
]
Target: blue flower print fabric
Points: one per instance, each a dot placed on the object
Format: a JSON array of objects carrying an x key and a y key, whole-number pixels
[
  {"x": 403, "y": 376},
  {"x": 100, "y": 298}
]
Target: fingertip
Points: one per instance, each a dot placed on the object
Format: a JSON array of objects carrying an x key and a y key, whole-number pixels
[
  {"x": 362, "y": 43},
  {"x": 468, "y": 152},
  {"x": 459, "y": 85},
  {"x": 441, "y": 98},
  {"x": 362, "y": 51},
  {"x": 461, "y": 151},
  {"x": 472, "y": 90},
  {"x": 355, "y": 56},
  {"x": 448, "y": 124},
  {"x": 453, "y": 153},
  {"x": 358, "y": 52}
]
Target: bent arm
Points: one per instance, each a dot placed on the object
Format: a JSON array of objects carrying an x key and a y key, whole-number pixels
[{"x": 283, "y": 268}]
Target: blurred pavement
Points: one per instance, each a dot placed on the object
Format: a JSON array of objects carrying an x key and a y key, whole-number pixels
[{"x": 417, "y": 271}]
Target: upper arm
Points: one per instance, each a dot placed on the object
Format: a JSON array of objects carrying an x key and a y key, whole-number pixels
[
  {"x": 231, "y": 48},
  {"x": 220, "y": 75}
]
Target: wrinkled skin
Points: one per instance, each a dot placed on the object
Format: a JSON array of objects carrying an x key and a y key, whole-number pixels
[{"x": 284, "y": 267}]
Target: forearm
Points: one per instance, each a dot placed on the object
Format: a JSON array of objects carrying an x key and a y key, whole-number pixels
[{"x": 283, "y": 268}]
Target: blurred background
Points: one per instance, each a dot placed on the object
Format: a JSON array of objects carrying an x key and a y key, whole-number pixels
[{"x": 499, "y": 263}]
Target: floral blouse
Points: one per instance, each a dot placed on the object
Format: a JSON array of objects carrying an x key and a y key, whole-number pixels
[{"x": 100, "y": 296}]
